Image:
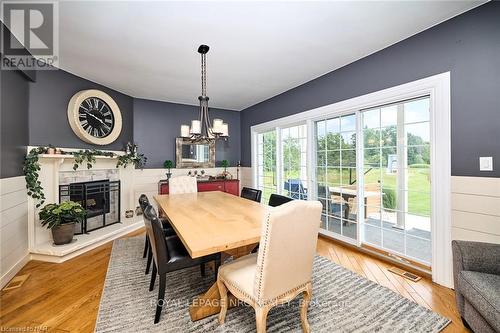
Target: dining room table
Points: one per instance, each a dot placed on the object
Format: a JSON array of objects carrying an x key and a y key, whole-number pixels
[{"x": 213, "y": 222}]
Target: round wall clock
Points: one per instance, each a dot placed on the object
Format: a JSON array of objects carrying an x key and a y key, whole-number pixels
[{"x": 94, "y": 117}]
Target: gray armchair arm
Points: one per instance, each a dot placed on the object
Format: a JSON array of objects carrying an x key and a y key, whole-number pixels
[{"x": 473, "y": 256}]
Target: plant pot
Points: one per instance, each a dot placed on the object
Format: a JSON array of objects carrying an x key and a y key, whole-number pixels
[
  {"x": 169, "y": 175},
  {"x": 63, "y": 233}
]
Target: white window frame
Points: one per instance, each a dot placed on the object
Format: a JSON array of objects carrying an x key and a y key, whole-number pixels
[{"x": 438, "y": 88}]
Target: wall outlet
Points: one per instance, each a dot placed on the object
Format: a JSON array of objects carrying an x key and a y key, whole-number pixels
[{"x": 486, "y": 163}]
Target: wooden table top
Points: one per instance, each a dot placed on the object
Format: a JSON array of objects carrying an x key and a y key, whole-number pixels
[{"x": 211, "y": 222}]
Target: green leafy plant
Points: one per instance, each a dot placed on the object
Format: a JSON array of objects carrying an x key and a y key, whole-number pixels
[
  {"x": 389, "y": 198},
  {"x": 31, "y": 168},
  {"x": 88, "y": 156},
  {"x": 132, "y": 157},
  {"x": 168, "y": 164},
  {"x": 53, "y": 215},
  {"x": 224, "y": 164}
]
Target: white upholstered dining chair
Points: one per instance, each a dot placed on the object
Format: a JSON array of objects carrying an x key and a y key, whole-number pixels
[
  {"x": 182, "y": 184},
  {"x": 282, "y": 269}
]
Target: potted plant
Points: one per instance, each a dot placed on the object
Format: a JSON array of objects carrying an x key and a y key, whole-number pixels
[
  {"x": 61, "y": 219},
  {"x": 168, "y": 164},
  {"x": 225, "y": 165}
]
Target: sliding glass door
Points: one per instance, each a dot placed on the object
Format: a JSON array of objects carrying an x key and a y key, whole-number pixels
[
  {"x": 335, "y": 178},
  {"x": 397, "y": 179},
  {"x": 294, "y": 162},
  {"x": 369, "y": 168},
  {"x": 266, "y": 164}
]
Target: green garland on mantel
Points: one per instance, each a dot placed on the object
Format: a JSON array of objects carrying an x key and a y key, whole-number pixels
[{"x": 31, "y": 166}]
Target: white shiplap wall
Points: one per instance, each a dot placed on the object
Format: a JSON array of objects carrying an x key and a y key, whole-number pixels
[
  {"x": 475, "y": 204},
  {"x": 14, "y": 253}
]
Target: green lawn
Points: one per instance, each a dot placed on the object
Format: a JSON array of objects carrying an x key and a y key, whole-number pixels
[{"x": 418, "y": 184}]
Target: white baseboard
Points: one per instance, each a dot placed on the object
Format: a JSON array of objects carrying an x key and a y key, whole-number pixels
[{"x": 14, "y": 270}]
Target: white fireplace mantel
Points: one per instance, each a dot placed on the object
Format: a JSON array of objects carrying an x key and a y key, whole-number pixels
[{"x": 40, "y": 238}]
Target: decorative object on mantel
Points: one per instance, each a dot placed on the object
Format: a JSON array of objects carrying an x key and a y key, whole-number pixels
[
  {"x": 94, "y": 117},
  {"x": 168, "y": 164},
  {"x": 129, "y": 213},
  {"x": 238, "y": 166},
  {"x": 61, "y": 219},
  {"x": 51, "y": 150},
  {"x": 32, "y": 166},
  {"x": 200, "y": 129},
  {"x": 132, "y": 157}
]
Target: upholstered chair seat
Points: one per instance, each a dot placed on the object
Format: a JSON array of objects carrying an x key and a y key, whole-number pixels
[
  {"x": 268, "y": 278},
  {"x": 182, "y": 184}
]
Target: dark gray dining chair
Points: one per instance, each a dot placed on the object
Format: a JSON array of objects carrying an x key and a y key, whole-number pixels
[
  {"x": 251, "y": 194},
  {"x": 169, "y": 255}
]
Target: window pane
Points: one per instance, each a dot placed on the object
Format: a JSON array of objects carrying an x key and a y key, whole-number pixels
[
  {"x": 419, "y": 203},
  {"x": 333, "y": 158},
  {"x": 348, "y": 158},
  {"x": 418, "y": 156},
  {"x": 418, "y": 248},
  {"x": 349, "y": 229},
  {"x": 388, "y": 136},
  {"x": 333, "y": 176},
  {"x": 417, "y": 134},
  {"x": 321, "y": 158},
  {"x": 372, "y": 157},
  {"x": 389, "y": 116},
  {"x": 348, "y": 123},
  {"x": 415, "y": 111},
  {"x": 333, "y": 125},
  {"x": 371, "y": 119},
  {"x": 348, "y": 140},
  {"x": 371, "y": 138}
]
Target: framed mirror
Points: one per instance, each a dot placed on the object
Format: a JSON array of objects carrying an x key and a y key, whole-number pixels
[{"x": 195, "y": 154}]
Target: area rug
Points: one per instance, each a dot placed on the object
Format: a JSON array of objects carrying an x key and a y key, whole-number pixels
[{"x": 343, "y": 301}]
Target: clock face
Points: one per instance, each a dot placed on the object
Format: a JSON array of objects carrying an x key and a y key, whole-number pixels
[{"x": 95, "y": 117}]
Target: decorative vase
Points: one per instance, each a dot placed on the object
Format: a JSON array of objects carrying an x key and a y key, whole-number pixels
[
  {"x": 63, "y": 233},
  {"x": 169, "y": 175}
]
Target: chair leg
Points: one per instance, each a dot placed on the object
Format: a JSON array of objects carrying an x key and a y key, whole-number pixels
[
  {"x": 202, "y": 269},
  {"x": 223, "y": 301},
  {"x": 146, "y": 246},
  {"x": 303, "y": 309},
  {"x": 153, "y": 278},
  {"x": 150, "y": 258},
  {"x": 161, "y": 297},
  {"x": 261, "y": 318}
]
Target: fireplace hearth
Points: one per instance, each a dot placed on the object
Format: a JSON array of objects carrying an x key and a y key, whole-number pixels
[{"x": 100, "y": 198}]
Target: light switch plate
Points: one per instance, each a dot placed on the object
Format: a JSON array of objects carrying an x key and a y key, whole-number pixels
[{"x": 486, "y": 163}]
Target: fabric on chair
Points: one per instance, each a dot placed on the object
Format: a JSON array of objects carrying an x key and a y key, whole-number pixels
[
  {"x": 276, "y": 200},
  {"x": 182, "y": 184},
  {"x": 251, "y": 194},
  {"x": 289, "y": 231},
  {"x": 482, "y": 291}
]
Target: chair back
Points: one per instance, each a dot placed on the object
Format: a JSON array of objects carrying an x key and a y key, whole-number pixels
[
  {"x": 287, "y": 248},
  {"x": 156, "y": 238},
  {"x": 182, "y": 184},
  {"x": 277, "y": 200},
  {"x": 251, "y": 194},
  {"x": 295, "y": 189}
]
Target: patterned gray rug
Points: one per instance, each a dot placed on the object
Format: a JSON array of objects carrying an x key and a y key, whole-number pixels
[{"x": 343, "y": 301}]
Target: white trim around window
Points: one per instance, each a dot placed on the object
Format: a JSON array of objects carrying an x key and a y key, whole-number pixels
[{"x": 438, "y": 88}]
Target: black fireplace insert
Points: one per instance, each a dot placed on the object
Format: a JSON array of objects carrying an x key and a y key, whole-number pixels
[{"x": 101, "y": 200}]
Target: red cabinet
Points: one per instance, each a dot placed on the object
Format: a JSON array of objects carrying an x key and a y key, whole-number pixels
[{"x": 230, "y": 186}]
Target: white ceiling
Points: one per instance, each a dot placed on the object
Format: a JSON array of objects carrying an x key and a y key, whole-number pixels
[{"x": 257, "y": 49}]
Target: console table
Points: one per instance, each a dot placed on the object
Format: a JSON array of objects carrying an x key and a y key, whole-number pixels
[{"x": 231, "y": 186}]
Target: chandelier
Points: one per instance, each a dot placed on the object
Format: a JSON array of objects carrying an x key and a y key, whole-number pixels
[{"x": 200, "y": 129}]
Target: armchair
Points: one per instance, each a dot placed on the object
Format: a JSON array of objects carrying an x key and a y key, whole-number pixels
[{"x": 476, "y": 273}]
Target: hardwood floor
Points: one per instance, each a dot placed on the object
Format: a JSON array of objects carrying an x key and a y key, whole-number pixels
[{"x": 65, "y": 297}]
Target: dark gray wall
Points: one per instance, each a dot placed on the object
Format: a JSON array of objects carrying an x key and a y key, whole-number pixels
[
  {"x": 157, "y": 124},
  {"x": 48, "y": 105},
  {"x": 13, "y": 122},
  {"x": 468, "y": 46}
]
